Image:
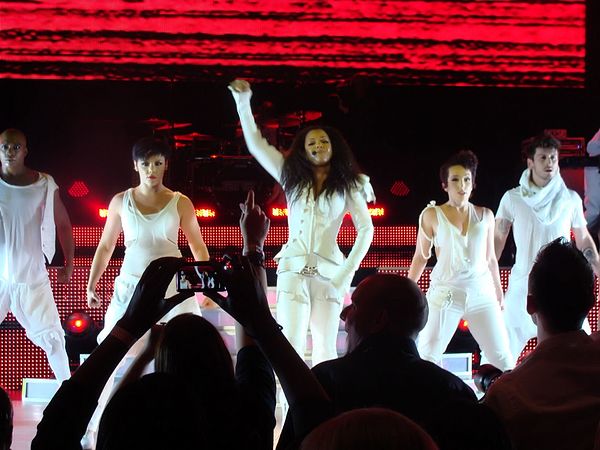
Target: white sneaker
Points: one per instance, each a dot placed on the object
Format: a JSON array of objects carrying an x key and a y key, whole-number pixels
[{"x": 88, "y": 442}]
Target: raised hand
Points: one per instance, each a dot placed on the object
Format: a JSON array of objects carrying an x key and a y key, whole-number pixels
[
  {"x": 254, "y": 224},
  {"x": 148, "y": 303},
  {"x": 239, "y": 85}
]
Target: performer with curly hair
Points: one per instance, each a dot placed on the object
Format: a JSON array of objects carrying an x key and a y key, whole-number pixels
[
  {"x": 465, "y": 281},
  {"x": 321, "y": 183}
]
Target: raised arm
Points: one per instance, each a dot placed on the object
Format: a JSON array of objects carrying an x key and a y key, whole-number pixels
[
  {"x": 191, "y": 229},
  {"x": 267, "y": 156},
  {"x": 586, "y": 245},
  {"x": 247, "y": 303},
  {"x": 105, "y": 249},
  {"x": 67, "y": 415},
  {"x": 64, "y": 232},
  {"x": 427, "y": 220},
  {"x": 492, "y": 260}
]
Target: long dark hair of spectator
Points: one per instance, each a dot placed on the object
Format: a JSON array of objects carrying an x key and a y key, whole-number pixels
[{"x": 297, "y": 173}]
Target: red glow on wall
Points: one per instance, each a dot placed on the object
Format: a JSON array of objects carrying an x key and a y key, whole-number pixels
[
  {"x": 460, "y": 43},
  {"x": 400, "y": 189},
  {"x": 78, "y": 189}
]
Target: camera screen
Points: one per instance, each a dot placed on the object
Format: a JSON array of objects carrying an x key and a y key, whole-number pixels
[{"x": 199, "y": 277}]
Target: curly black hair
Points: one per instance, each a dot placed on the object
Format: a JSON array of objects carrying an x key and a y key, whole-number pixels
[{"x": 297, "y": 173}]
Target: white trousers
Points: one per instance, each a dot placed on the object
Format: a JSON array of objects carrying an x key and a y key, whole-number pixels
[
  {"x": 35, "y": 309},
  {"x": 479, "y": 307},
  {"x": 304, "y": 302}
]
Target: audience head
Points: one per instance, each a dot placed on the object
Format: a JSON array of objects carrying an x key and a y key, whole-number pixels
[
  {"x": 150, "y": 146},
  {"x": 385, "y": 303},
  {"x": 158, "y": 411},
  {"x": 6, "y": 420},
  {"x": 369, "y": 428},
  {"x": 561, "y": 287},
  {"x": 192, "y": 348},
  {"x": 462, "y": 425}
]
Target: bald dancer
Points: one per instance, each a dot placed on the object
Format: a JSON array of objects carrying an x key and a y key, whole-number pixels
[{"x": 31, "y": 215}]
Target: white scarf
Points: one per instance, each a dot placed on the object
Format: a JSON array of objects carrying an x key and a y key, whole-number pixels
[{"x": 546, "y": 202}]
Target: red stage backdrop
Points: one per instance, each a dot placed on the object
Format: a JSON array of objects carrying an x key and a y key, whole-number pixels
[{"x": 512, "y": 43}]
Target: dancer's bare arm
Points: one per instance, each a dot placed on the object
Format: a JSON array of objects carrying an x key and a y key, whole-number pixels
[{"x": 501, "y": 230}]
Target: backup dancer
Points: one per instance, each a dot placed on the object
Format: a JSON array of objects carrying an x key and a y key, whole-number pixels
[
  {"x": 465, "y": 281},
  {"x": 149, "y": 215},
  {"x": 539, "y": 210},
  {"x": 31, "y": 214}
]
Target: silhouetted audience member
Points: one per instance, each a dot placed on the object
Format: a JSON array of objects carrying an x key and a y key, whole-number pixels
[
  {"x": 552, "y": 399},
  {"x": 382, "y": 366},
  {"x": 243, "y": 399},
  {"x": 6, "y": 421},
  {"x": 369, "y": 429},
  {"x": 66, "y": 416},
  {"x": 460, "y": 425},
  {"x": 157, "y": 411}
]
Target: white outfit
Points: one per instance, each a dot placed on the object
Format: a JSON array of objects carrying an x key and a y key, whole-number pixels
[
  {"x": 461, "y": 285},
  {"x": 315, "y": 300},
  {"x": 27, "y": 234},
  {"x": 146, "y": 237},
  {"x": 592, "y": 186},
  {"x": 538, "y": 216}
]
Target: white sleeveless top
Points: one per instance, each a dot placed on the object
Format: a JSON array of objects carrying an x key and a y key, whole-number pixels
[
  {"x": 461, "y": 259},
  {"x": 148, "y": 236}
]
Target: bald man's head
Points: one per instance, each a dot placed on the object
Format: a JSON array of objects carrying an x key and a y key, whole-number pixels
[{"x": 385, "y": 303}]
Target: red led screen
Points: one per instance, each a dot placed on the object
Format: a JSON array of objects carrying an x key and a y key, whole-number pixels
[{"x": 461, "y": 43}]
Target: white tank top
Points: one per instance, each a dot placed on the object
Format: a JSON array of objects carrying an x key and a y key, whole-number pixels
[
  {"x": 148, "y": 236},
  {"x": 461, "y": 259},
  {"x": 22, "y": 217}
]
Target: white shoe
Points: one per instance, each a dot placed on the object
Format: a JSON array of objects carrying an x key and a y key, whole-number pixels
[{"x": 88, "y": 442}]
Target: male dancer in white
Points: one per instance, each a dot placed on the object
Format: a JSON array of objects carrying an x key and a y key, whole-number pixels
[
  {"x": 321, "y": 183},
  {"x": 539, "y": 210},
  {"x": 31, "y": 212},
  {"x": 465, "y": 281},
  {"x": 150, "y": 216}
]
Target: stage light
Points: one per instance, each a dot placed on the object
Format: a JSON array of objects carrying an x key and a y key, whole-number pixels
[
  {"x": 377, "y": 212},
  {"x": 78, "y": 323},
  {"x": 80, "y": 335},
  {"x": 463, "y": 325},
  {"x": 279, "y": 212},
  {"x": 103, "y": 213},
  {"x": 78, "y": 189},
  {"x": 206, "y": 213}
]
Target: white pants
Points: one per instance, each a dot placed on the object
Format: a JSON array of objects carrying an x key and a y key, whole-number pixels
[
  {"x": 34, "y": 307},
  {"x": 479, "y": 307},
  {"x": 304, "y": 302}
]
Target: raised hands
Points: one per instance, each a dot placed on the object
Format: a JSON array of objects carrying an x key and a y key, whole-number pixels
[{"x": 148, "y": 303}]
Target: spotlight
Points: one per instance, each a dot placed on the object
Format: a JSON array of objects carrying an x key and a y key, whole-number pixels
[{"x": 80, "y": 335}]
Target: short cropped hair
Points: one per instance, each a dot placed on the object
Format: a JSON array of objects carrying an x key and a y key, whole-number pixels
[
  {"x": 562, "y": 284},
  {"x": 465, "y": 158},
  {"x": 543, "y": 140},
  {"x": 150, "y": 146}
]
